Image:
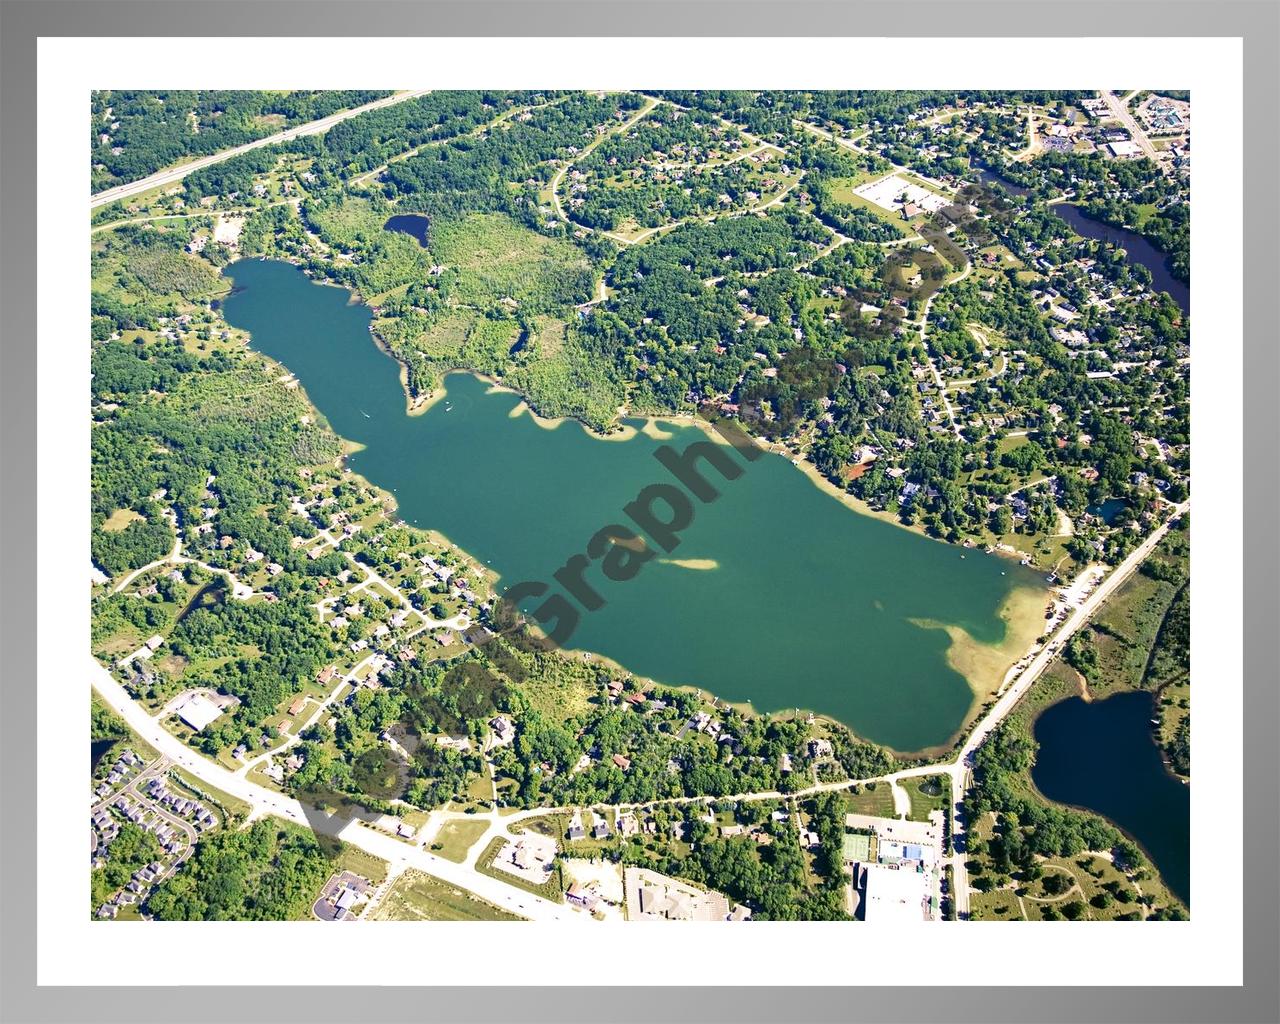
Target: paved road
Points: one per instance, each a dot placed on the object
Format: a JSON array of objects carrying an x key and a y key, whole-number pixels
[
  {"x": 933, "y": 367},
  {"x": 398, "y": 854},
  {"x": 961, "y": 767},
  {"x": 173, "y": 174},
  {"x": 1119, "y": 109},
  {"x": 625, "y": 126}
]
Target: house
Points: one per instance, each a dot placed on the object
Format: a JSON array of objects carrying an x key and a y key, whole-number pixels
[
  {"x": 503, "y": 731},
  {"x": 296, "y": 707},
  {"x": 622, "y": 761},
  {"x": 599, "y": 826},
  {"x": 575, "y": 826}
]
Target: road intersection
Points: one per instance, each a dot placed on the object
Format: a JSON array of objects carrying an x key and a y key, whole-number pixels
[
  {"x": 398, "y": 854},
  {"x": 401, "y": 855}
]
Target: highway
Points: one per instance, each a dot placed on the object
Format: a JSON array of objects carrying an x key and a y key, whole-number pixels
[
  {"x": 960, "y": 768},
  {"x": 399, "y": 855},
  {"x": 172, "y": 174},
  {"x": 1119, "y": 109}
]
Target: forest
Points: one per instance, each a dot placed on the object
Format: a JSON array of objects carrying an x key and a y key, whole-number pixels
[
  {"x": 134, "y": 134},
  {"x": 266, "y": 872},
  {"x": 814, "y": 340}
]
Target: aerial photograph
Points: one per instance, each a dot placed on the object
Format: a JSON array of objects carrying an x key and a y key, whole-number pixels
[{"x": 675, "y": 505}]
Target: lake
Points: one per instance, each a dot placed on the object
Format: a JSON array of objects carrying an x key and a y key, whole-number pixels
[
  {"x": 96, "y": 749},
  {"x": 990, "y": 177},
  {"x": 1136, "y": 248},
  {"x": 778, "y": 594},
  {"x": 1108, "y": 509},
  {"x": 1101, "y": 756},
  {"x": 415, "y": 224}
]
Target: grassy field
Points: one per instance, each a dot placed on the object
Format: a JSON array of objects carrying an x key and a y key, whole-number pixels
[
  {"x": 233, "y": 806},
  {"x": 877, "y": 801},
  {"x": 419, "y": 897},
  {"x": 456, "y": 837},
  {"x": 121, "y": 518},
  {"x": 931, "y": 793},
  {"x": 497, "y": 258},
  {"x": 363, "y": 864},
  {"x": 352, "y": 220}
]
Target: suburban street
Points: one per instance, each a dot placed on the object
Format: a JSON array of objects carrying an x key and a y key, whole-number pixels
[
  {"x": 933, "y": 367},
  {"x": 1079, "y": 603},
  {"x": 173, "y": 174},
  {"x": 401, "y": 856},
  {"x": 397, "y": 853}
]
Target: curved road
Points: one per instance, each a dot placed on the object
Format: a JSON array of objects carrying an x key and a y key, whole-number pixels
[{"x": 264, "y": 801}]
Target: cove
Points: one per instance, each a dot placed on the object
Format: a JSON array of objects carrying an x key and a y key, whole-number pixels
[
  {"x": 1100, "y": 756},
  {"x": 1136, "y": 248},
  {"x": 779, "y": 594}
]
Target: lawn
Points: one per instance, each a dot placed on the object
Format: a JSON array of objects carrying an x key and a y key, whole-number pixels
[
  {"x": 420, "y": 897},
  {"x": 553, "y": 825},
  {"x": 456, "y": 837},
  {"x": 363, "y": 864},
  {"x": 875, "y": 800},
  {"x": 552, "y": 889},
  {"x": 121, "y": 518},
  {"x": 997, "y": 905},
  {"x": 931, "y": 793},
  {"x": 1098, "y": 887}
]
